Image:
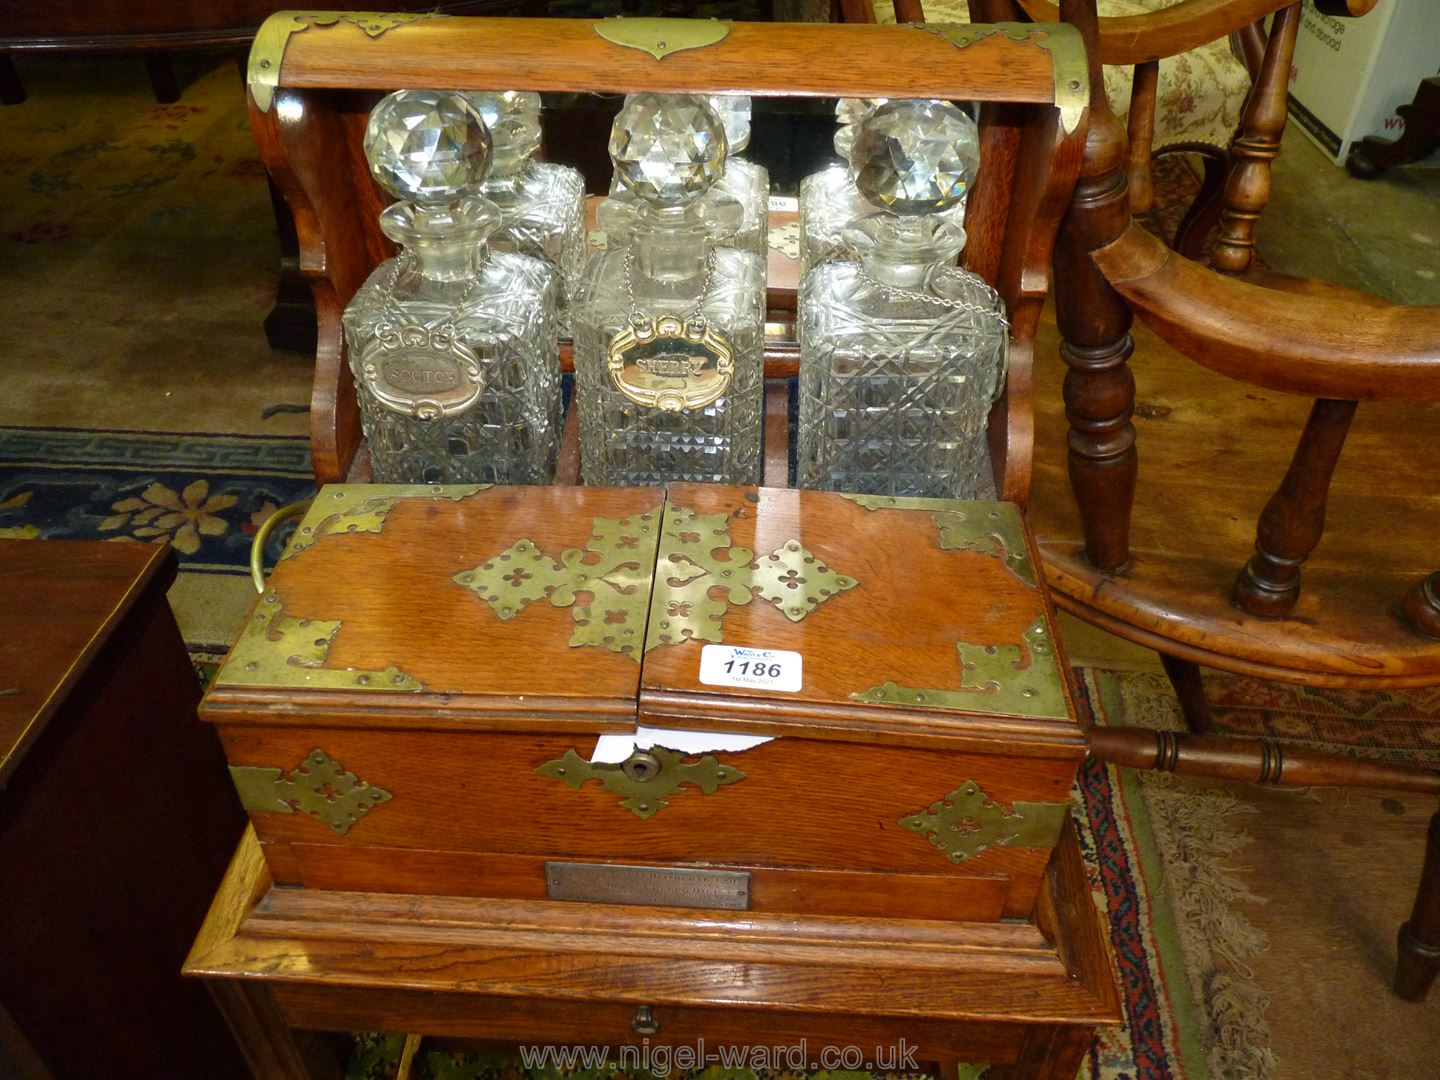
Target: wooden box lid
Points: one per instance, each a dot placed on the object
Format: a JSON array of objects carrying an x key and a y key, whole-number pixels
[
  {"x": 498, "y": 608},
  {"x": 75, "y": 597},
  {"x": 918, "y": 621}
]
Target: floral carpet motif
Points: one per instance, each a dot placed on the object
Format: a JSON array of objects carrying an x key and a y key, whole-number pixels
[{"x": 205, "y": 495}]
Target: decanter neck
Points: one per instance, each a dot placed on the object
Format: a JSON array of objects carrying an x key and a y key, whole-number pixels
[
  {"x": 507, "y": 170},
  {"x": 446, "y": 260},
  {"x": 902, "y": 251},
  {"x": 447, "y": 243},
  {"x": 671, "y": 244}
]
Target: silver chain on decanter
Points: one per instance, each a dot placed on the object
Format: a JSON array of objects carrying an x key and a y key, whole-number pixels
[
  {"x": 893, "y": 292},
  {"x": 447, "y": 328},
  {"x": 693, "y": 313}
]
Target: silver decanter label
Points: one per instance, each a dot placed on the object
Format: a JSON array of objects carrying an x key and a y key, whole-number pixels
[
  {"x": 422, "y": 372},
  {"x": 669, "y": 363},
  {"x": 660, "y": 886}
]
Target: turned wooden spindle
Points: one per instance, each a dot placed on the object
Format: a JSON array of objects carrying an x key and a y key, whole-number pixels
[
  {"x": 1294, "y": 519},
  {"x": 1422, "y": 605},
  {"x": 1255, "y": 146},
  {"x": 1094, "y": 325},
  {"x": 1184, "y": 676},
  {"x": 1258, "y": 761},
  {"x": 1141, "y": 134},
  {"x": 1418, "y": 943}
]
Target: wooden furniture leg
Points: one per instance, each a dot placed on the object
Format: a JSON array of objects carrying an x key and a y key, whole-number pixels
[
  {"x": 291, "y": 324},
  {"x": 1255, "y": 146},
  {"x": 163, "y": 81},
  {"x": 1418, "y": 956},
  {"x": 1141, "y": 134},
  {"x": 270, "y": 1047},
  {"x": 1051, "y": 1053},
  {"x": 1184, "y": 677},
  {"x": 12, "y": 90},
  {"x": 1374, "y": 155},
  {"x": 272, "y": 1050},
  {"x": 1094, "y": 325},
  {"x": 1192, "y": 235},
  {"x": 1294, "y": 519},
  {"x": 1422, "y": 605}
]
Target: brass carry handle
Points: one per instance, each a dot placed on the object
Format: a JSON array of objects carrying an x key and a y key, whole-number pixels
[{"x": 257, "y": 546}]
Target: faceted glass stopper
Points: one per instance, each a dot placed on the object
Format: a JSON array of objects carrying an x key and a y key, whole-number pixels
[
  {"x": 915, "y": 157},
  {"x": 668, "y": 148},
  {"x": 427, "y": 146},
  {"x": 850, "y": 111},
  {"x": 513, "y": 119},
  {"x": 734, "y": 113}
]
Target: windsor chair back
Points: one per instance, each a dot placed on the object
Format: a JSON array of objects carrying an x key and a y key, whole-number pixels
[{"x": 1225, "y": 357}]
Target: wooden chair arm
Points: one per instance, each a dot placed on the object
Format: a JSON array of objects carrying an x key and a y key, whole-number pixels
[
  {"x": 1324, "y": 347},
  {"x": 1186, "y": 25}
]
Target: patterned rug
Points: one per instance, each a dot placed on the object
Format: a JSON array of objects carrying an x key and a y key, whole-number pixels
[{"x": 205, "y": 495}]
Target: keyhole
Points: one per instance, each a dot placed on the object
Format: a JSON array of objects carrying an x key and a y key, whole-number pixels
[{"x": 641, "y": 766}]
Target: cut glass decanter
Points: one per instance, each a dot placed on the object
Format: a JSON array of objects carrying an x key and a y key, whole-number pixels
[
  {"x": 669, "y": 359},
  {"x": 452, "y": 344},
  {"x": 902, "y": 353},
  {"x": 743, "y": 180},
  {"x": 829, "y": 199},
  {"x": 542, "y": 205},
  {"x": 721, "y": 214}
]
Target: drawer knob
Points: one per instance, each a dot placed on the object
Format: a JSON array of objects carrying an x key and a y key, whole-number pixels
[{"x": 644, "y": 1022}]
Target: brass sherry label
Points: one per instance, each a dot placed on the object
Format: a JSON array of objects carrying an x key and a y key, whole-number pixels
[
  {"x": 654, "y": 886},
  {"x": 421, "y": 372},
  {"x": 670, "y": 364}
]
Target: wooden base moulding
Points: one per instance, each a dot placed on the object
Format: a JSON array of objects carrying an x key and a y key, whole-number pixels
[{"x": 1025, "y": 997}]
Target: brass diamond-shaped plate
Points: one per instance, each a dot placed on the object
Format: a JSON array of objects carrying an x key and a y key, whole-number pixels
[
  {"x": 797, "y": 582},
  {"x": 606, "y": 584},
  {"x": 700, "y": 575},
  {"x": 319, "y": 786},
  {"x": 516, "y": 577},
  {"x": 967, "y": 821}
]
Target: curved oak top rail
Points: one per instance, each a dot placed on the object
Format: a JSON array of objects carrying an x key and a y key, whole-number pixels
[{"x": 315, "y": 74}]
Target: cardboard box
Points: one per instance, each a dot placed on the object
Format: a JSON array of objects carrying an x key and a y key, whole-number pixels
[{"x": 1350, "y": 75}]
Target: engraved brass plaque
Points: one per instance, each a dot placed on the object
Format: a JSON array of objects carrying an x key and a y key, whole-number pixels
[
  {"x": 654, "y": 886},
  {"x": 670, "y": 364},
  {"x": 424, "y": 373}
]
